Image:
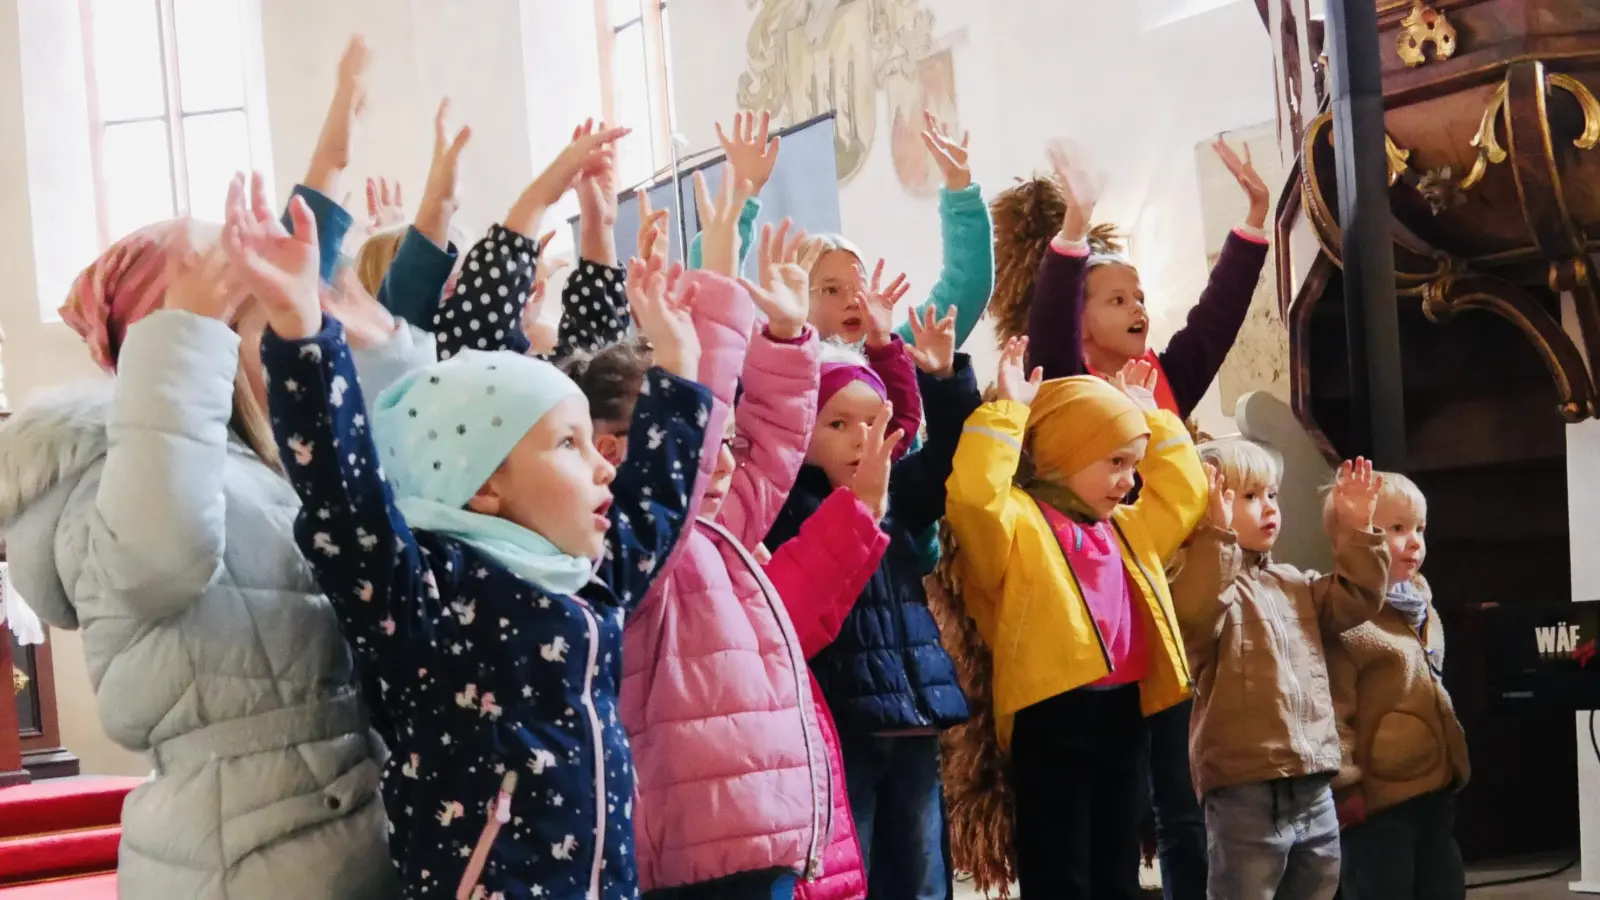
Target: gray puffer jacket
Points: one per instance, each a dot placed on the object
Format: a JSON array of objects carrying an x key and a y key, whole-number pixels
[{"x": 131, "y": 514}]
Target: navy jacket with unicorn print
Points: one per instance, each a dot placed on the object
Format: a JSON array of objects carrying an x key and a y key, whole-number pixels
[{"x": 471, "y": 671}]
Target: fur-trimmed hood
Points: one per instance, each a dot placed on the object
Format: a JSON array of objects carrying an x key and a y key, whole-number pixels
[{"x": 45, "y": 449}]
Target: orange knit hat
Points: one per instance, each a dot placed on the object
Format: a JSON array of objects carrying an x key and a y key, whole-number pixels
[{"x": 1078, "y": 421}]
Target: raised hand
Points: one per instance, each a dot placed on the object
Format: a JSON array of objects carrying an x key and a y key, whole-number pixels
[
  {"x": 749, "y": 152},
  {"x": 785, "y": 289},
  {"x": 588, "y": 152},
  {"x": 871, "y": 481},
  {"x": 933, "y": 341},
  {"x": 652, "y": 223},
  {"x": 1013, "y": 380},
  {"x": 881, "y": 301},
  {"x": 1138, "y": 380},
  {"x": 664, "y": 316},
  {"x": 1079, "y": 188},
  {"x": 366, "y": 323},
  {"x": 334, "y": 143},
  {"x": 950, "y": 156},
  {"x": 1244, "y": 172},
  {"x": 597, "y": 206},
  {"x": 1220, "y": 511},
  {"x": 280, "y": 269},
  {"x": 1355, "y": 494},
  {"x": 439, "y": 201},
  {"x": 719, "y": 222},
  {"x": 201, "y": 281},
  {"x": 386, "y": 207}
]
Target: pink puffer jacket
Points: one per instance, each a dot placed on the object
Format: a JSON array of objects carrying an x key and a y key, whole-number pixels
[
  {"x": 820, "y": 572},
  {"x": 732, "y": 771}
]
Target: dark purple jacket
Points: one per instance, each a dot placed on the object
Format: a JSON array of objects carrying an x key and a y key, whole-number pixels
[{"x": 1193, "y": 356}]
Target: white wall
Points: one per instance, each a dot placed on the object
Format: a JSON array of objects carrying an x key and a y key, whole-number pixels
[{"x": 1135, "y": 100}]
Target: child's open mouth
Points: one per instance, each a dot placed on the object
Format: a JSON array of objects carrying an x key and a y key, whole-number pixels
[
  {"x": 601, "y": 521},
  {"x": 1138, "y": 327},
  {"x": 852, "y": 323}
]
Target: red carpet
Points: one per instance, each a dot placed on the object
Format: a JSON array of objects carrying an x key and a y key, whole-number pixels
[
  {"x": 88, "y": 887},
  {"x": 58, "y": 838},
  {"x": 62, "y": 804},
  {"x": 82, "y": 852}
]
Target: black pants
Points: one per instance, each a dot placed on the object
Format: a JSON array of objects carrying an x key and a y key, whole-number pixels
[
  {"x": 1180, "y": 824},
  {"x": 1075, "y": 758},
  {"x": 1405, "y": 852},
  {"x": 773, "y": 884}
]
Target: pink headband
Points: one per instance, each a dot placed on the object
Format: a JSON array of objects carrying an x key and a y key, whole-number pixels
[
  {"x": 836, "y": 376},
  {"x": 122, "y": 286}
]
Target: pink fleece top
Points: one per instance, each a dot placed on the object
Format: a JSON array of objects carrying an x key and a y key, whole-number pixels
[{"x": 1092, "y": 553}]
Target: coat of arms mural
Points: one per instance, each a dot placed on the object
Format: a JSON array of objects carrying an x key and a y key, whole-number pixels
[{"x": 809, "y": 57}]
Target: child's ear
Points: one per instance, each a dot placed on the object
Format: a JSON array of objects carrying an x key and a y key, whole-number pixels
[
  {"x": 487, "y": 500},
  {"x": 612, "y": 447}
]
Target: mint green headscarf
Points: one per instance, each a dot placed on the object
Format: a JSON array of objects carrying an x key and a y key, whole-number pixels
[{"x": 442, "y": 430}]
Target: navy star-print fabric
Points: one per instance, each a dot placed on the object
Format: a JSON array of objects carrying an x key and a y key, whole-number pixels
[{"x": 472, "y": 672}]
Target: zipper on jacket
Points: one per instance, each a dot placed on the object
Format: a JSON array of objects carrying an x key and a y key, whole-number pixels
[
  {"x": 802, "y": 690},
  {"x": 598, "y": 735},
  {"x": 499, "y": 815},
  {"x": 1172, "y": 625},
  {"x": 1105, "y": 652}
]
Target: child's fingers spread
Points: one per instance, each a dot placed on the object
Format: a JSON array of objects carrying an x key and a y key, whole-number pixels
[{"x": 702, "y": 197}]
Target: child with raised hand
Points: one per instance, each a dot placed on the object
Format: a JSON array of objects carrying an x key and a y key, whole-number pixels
[
  {"x": 891, "y": 686},
  {"x": 732, "y": 773},
  {"x": 1065, "y": 583},
  {"x": 819, "y": 573},
  {"x": 480, "y": 555},
  {"x": 1405, "y": 754},
  {"x": 842, "y": 296},
  {"x": 1264, "y": 736}
]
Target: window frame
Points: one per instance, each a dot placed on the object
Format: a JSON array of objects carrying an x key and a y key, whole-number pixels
[
  {"x": 658, "y": 68},
  {"x": 173, "y": 114}
]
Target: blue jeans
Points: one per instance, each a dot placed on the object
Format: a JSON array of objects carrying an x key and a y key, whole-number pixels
[
  {"x": 1405, "y": 852},
  {"x": 1180, "y": 825},
  {"x": 1276, "y": 840},
  {"x": 897, "y": 799}
]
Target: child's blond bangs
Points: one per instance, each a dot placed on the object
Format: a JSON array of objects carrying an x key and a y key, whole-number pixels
[{"x": 1245, "y": 465}]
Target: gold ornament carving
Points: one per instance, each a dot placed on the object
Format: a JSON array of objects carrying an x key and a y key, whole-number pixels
[
  {"x": 1489, "y": 149},
  {"x": 1586, "y": 101},
  {"x": 1422, "y": 26}
]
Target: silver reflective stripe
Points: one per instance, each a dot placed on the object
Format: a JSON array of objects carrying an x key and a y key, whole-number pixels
[
  {"x": 1171, "y": 442},
  {"x": 990, "y": 432}
]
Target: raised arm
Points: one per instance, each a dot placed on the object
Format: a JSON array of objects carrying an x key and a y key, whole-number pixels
[
  {"x": 966, "y": 278},
  {"x": 917, "y": 489},
  {"x": 654, "y": 485},
  {"x": 1055, "y": 311},
  {"x": 1196, "y": 353},
  {"x": 485, "y": 313},
  {"x": 1208, "y": 565},
  {"x": 751, "y": 158},
  {"x": 1354, "y": 592},
  {"x": 773, "y": 422},
  {"x": 364, "y": 556},
  {"x": 894, "y": 366},
  {"x": 979, "y": 504},
  {"x": 1173, "y": 498},
  {"x": 821, "y": 571},
  {"x": 158, "y": 533}
]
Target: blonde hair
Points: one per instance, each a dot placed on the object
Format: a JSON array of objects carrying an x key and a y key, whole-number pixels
[
  {"x": 824, "y": 244},
  {"x": 251, "y": 423},
  {"x": 378, "y": 251},
  {"x": 1395, "y": 487},
  {"x": 1245, "y": 465}
]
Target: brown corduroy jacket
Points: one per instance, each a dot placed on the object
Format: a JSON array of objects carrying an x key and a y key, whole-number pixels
[
  {"x": 1399, "y": 729},
  {"x": 1254, "y": 630}
]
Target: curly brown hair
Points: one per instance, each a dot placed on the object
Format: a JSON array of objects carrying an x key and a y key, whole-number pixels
[
  {"x": 610, "y": 377},
  {"x": 1027, "y": 217}
]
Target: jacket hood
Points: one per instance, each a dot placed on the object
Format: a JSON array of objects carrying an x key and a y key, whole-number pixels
[{"x": 44, "y": 450}]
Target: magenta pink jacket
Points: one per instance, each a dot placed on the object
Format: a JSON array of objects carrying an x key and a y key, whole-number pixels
[
  {"x": 820, "y": 572},
  {"x": 732, "y": 772}
]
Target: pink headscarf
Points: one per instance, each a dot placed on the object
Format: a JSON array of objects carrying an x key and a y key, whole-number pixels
[
  {"x": 125, "y": 284},
  {"x": 836, "y": 376}
]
